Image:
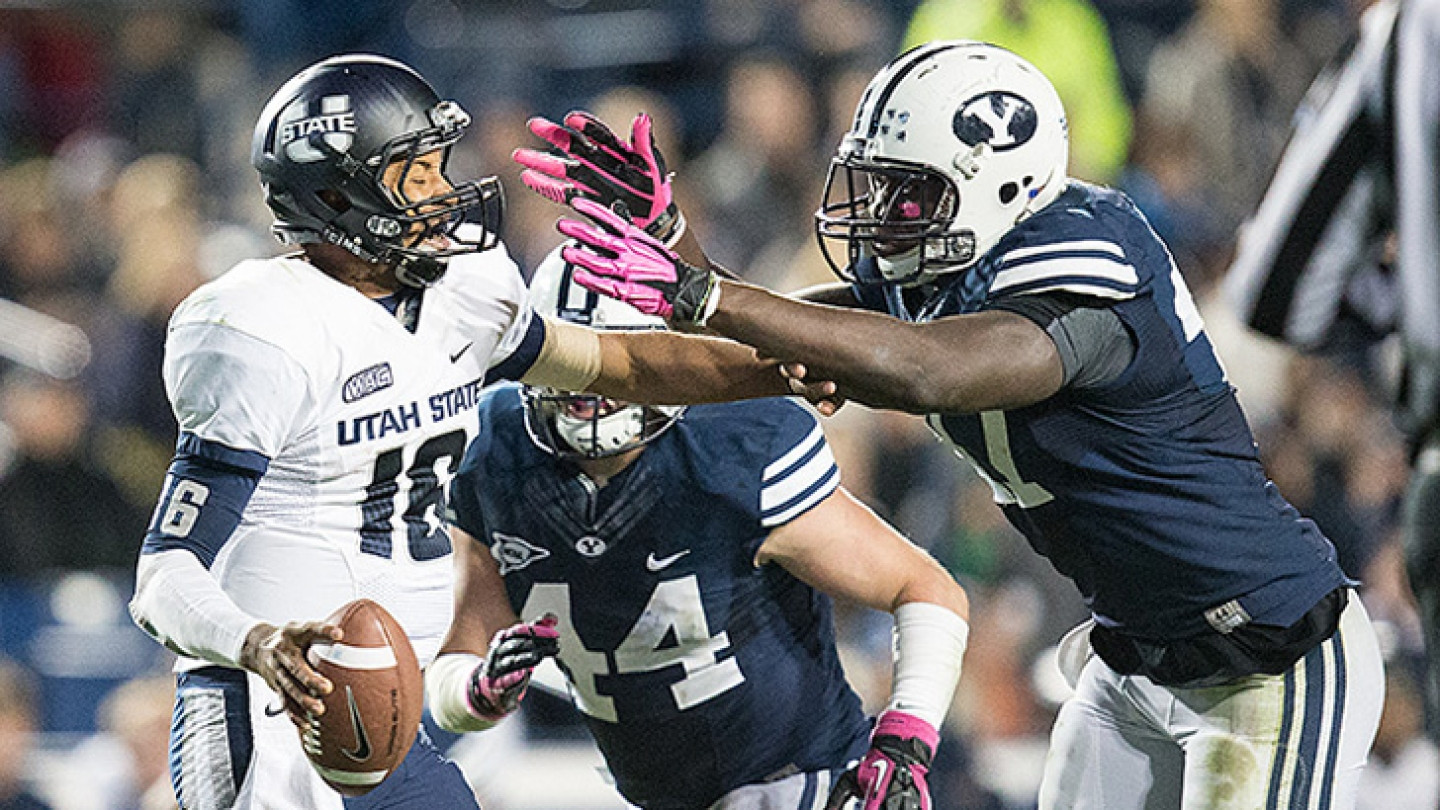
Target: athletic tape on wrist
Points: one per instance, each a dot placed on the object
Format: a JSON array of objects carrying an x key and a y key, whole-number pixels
[
  {"x": 930, "y": 641},
  {"x": 447, "y": 689}
]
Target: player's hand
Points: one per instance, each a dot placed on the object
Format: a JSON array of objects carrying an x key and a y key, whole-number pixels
[
  {"x": 277, "y": 654},
  {"x": 614, "y": 257},
  {"x": 598, "y": 165},
  {"x": 891, "y": 775},
  {"x": 497, "y": 685},
  {"x": 823, "y": 394}
]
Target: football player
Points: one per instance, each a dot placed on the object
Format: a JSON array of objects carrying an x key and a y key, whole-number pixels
[
  {"x": 1044, "y": 330},
  {"x": 685, "y": 563},
  {"x": 324, "y": 399}
]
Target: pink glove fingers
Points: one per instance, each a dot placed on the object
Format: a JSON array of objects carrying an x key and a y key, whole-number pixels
[
  {"x": 606, "y": 218},
  {"x": 597, "y": 265},
  {"x": 547, "y": 186},
  {"x": 645, "y": 299},
  {"x": 555, "y": 134},
  {"x": 543, "y": 162},
  {"x": 597, "y": 134},
  {"x": 589, "y": 235}
]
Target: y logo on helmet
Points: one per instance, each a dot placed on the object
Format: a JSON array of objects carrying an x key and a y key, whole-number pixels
[
  {"x": 1002, "y": 120},
  {"x": 335, "y": 125}
]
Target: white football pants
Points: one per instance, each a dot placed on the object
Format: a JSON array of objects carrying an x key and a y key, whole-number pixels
[{"x": 1296, "y": 741}]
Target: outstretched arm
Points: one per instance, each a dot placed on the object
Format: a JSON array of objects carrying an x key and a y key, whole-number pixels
[
  {"x": 664, "y": 368},
  {"x": 958, "y": 364}
]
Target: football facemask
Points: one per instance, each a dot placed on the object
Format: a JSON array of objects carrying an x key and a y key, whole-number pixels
[{"x": 590, "y": 426}]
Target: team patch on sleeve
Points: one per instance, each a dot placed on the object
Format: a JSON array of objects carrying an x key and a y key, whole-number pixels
[
  {"x": 1095, "y": 267},
  {"x": 800, "y": 478}
]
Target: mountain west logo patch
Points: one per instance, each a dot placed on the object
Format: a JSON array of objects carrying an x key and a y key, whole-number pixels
[
  {"x": 1002, "y": 120},
  {"x": 334, "y": 124},
  {"x": 514, "y": 553},
  {"x": 366, "y": 382}
]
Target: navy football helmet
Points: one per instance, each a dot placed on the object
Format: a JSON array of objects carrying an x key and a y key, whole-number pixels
[
  {"x": 953, "y": 143},
  {"x": 571, "y": 425},
  {"x": 324, "y": 143}
]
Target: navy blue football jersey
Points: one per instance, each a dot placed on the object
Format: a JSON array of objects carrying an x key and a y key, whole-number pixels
[
  {"x": 696, "y": 671},
  {"x": 1147, "y": 491}
]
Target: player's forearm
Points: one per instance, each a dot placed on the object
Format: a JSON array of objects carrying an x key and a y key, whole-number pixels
[
  {"x": 987, "y": 361},
  {"x": 666, "y": 368}
]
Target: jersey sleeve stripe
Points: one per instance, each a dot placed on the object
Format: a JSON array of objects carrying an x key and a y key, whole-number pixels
[
  {"x": 1101, "y": 246},
  {"x": 780, "y": 491},
  {"x": 813, "y": 495},
  {"x": 519, "y": 361},
  {"x": 802, "y": 449},
  {"x": 192, "y": 446},
  {"x": 1093, "y": 269},
  {"x": 1075, "y": 284}
]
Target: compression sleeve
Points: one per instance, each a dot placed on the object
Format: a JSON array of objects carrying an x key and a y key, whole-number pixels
[
  {"x": 179, "y": 604},
  {"x": 206, "y": 490},
  {"x": 1094, "y": 345}
]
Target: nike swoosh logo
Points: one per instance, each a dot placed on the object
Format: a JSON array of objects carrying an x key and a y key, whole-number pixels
[
  {"x": 275, "y": 710},
  {"x": 880, "y": 766},
  {"x": 456, "y": 355},
  {"x": 653, "y": 564},
  {"x": 362, "y": 742}
]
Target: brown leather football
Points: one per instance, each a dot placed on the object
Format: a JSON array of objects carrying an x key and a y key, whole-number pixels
[{"x": 372, "y": 715}]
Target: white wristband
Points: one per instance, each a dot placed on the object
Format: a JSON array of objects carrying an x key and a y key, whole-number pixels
[
  {"x": 447, "y": 690},
  {"x": 929, "y": 644}
]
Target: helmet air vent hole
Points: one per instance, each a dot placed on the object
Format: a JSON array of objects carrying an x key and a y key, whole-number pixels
[
  {"x": 1008, "y": 192},
  {"x": 1027, "y": 181},
  {"x": 334, "y": 200}
]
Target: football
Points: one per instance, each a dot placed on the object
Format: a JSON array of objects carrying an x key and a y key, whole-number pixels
[{"x": 372, "y": 715}]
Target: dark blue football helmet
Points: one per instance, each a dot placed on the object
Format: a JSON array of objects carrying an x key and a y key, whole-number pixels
[{"x": 323, "y": 143}]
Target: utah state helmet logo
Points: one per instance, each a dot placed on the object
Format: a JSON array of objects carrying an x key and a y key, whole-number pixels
[{"x": 998, "y": 118}]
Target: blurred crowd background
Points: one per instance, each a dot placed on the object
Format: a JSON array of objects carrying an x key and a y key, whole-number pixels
[{"x": 124, "y": 183}]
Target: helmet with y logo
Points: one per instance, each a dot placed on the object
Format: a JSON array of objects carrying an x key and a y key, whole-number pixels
[{"x": 952, "y": 144}]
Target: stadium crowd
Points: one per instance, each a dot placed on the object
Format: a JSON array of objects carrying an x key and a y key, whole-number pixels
[{"x": 124, "y": 183}]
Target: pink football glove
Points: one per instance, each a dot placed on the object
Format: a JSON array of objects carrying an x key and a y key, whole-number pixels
[
  {"x": 497, "y": 685},
  {"x": 891, "y": 775},
  {"x": 596, "y": 164},
  {"x": 618, "y": 259}
]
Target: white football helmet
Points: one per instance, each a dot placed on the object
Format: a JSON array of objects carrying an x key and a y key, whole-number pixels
[
  {"x": 572, "y": 425},
  {"x": 952, "y": 144}
]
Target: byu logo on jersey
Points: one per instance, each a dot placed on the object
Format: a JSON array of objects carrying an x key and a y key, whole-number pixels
[
  {"x": 335, "y": 124},
  {"x": 591, "y": 546},
  {"x": 513, "y": 553},
  {"x": 1002, "y": 120}
]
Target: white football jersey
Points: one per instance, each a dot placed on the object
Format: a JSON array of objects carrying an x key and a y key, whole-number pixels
[{"x": 363, "y": 421}]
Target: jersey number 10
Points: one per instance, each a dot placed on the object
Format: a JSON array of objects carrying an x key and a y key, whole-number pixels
[{"x": 424, "y": 528}]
